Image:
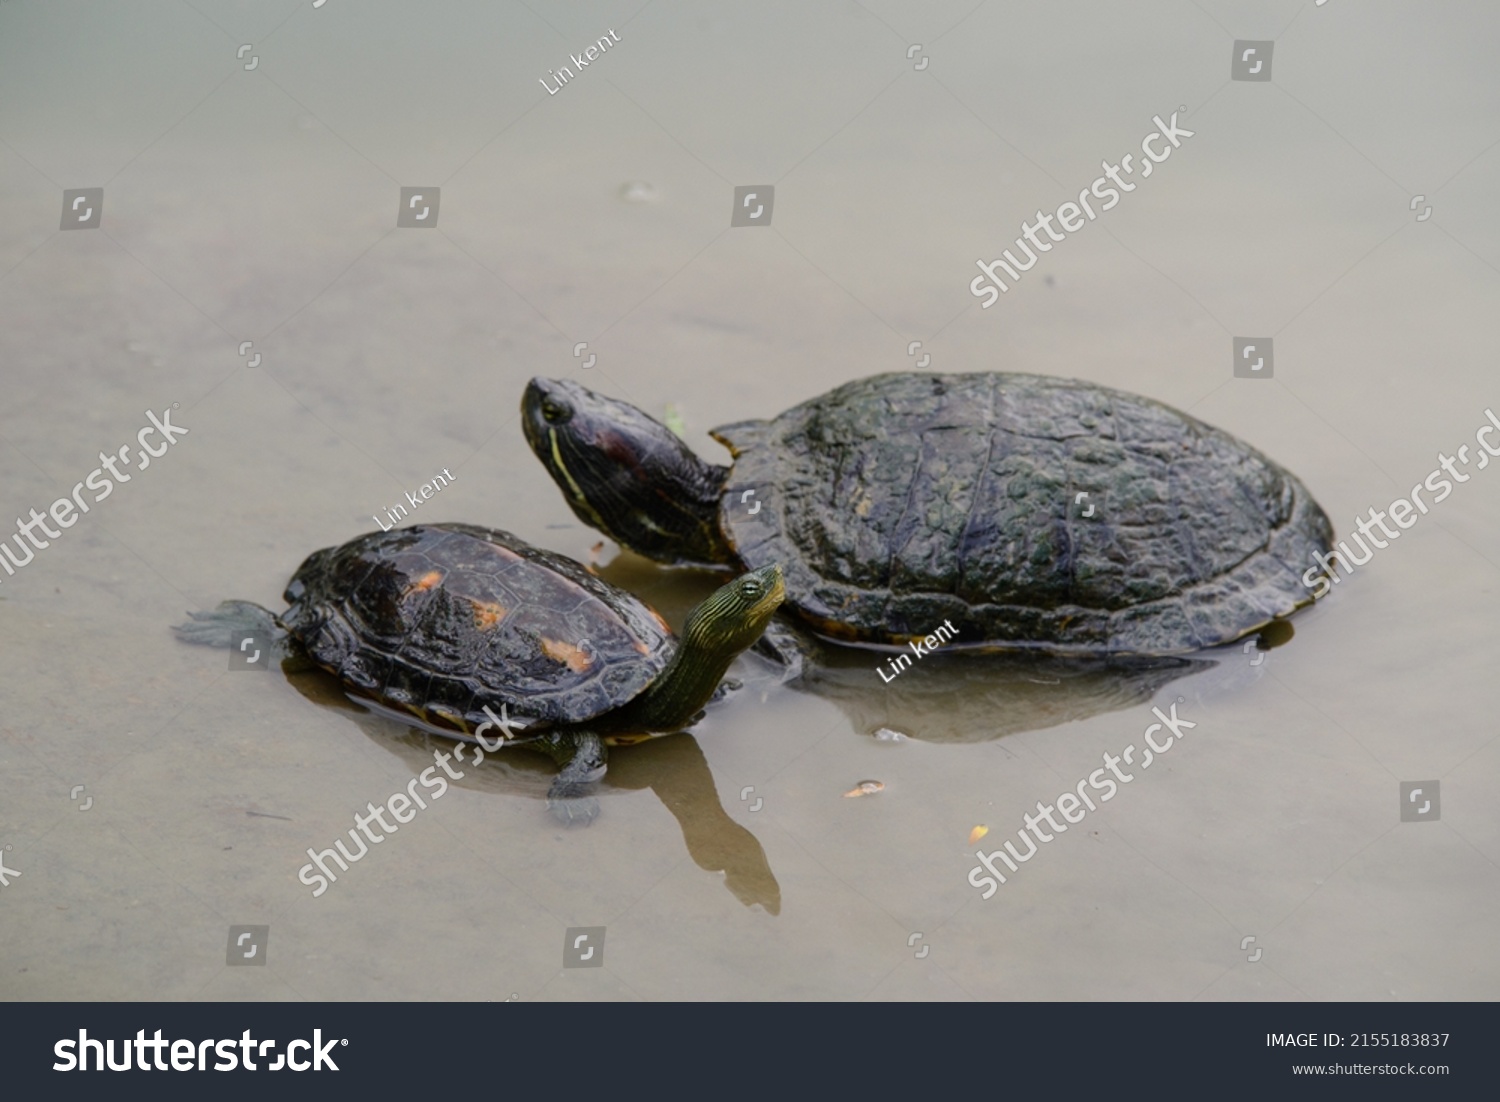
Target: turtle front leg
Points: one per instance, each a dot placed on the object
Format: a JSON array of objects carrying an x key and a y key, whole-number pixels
[
  {"x": 233, "y": 622},
  {"x": 582, "y": 759},
  {"x": 787, "y": 647}
]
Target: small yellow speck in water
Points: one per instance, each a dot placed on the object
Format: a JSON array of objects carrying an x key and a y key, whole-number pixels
[{"x": 866, "y": 788}]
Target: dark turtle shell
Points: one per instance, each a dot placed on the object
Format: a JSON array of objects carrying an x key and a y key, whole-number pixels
[
  {"x": 898, "y": 502},
  {"x": 441, "y": 620}
]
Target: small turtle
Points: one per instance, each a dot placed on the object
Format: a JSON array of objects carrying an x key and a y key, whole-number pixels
[
  {"x": 441, "y": 622},
  {"x": 1023, "y": 512}
]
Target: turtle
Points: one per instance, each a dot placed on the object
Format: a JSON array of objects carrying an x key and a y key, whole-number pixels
[
  {"x": 992, "y": 511},
  {"x": 464, "y": 628}
]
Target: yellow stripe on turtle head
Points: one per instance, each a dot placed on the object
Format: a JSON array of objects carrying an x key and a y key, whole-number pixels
[{"x": 580, "y": 500}]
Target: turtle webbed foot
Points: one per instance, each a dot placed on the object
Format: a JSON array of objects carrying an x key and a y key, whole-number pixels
[
  {"x": 727, "y": 686},
  {"x": 230, "y": 623},
  {"x": 571, "y": 803},
  {"x": 582, "y": 757}
]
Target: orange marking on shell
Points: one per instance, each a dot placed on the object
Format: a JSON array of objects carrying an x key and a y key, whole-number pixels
[
  {"x": 575, "y": 658},
  {"x": 426, "y": 582},
  {"x": 487, "y": 614}
]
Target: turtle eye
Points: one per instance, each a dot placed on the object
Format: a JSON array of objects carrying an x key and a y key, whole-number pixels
[
  {"x": 555, "y": 412},
  {"x": 751, "y": 589}
]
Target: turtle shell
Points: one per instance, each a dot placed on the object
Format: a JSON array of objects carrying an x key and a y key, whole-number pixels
[
  {"x": 442, "y": 620},
  {"x": 902, "y": 502}
]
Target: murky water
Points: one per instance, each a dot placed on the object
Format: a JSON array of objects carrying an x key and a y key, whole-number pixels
[{"x": 151, "y": 798}]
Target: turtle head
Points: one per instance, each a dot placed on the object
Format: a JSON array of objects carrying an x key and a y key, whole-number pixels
[
  {"x": 735, "y": 615},
  {"x": 625, "y": 473},
  {"x": 717, "y": 631}
]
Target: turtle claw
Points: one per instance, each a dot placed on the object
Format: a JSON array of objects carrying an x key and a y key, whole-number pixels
[
  {"x": 727, "y": 686},
  {"x": 569, "y": 809}
]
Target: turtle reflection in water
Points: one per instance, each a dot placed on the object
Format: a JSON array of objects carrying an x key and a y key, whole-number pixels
[
  {"x": 454, "y": 624},
  {"x": 950, "y": 698},
  {"x": 672, "y": 766}
]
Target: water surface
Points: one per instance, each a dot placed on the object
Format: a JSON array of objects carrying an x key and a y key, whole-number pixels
[{"x": 260, "y": 205}]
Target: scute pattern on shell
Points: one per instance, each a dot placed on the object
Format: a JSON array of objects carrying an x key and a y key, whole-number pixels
[
  {"x": 899, "y": 501},
  {"x": 480, "y": 632}
]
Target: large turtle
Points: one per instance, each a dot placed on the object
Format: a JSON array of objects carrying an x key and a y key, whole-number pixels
[
  {"x": 1016, "y": 511},
  {"x": 465, "y": 628}
]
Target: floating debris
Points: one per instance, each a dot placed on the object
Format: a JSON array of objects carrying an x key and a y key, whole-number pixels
[
  {"x": 866, "y": 788},
  {"x": 886, "y": 734},
  {"x": 603, "y": 553},
  {"x": 978, "y": 833}
]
